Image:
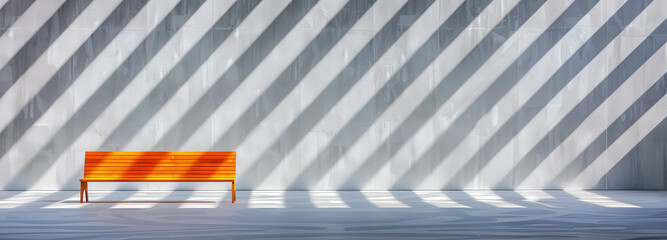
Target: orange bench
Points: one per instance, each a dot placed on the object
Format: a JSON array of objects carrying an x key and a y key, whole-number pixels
[{"x": 159, "y": 167}]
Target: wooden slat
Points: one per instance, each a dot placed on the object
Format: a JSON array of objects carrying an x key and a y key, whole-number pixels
[
  {"x": 212, "y": 172},
  {"x": 172, "y": 176},
  {"x": 163, "y": 172},
  {"x": 159, "y": 176},
  {"x": 159, "y": 166},
  {"x": 161, "y": 157},
  {"x": 159, "y": 153},
  {"x": 133, "y": 168},
  {"x": 148, "y": 173},
  {"x": 160, "y": 160},
  {"x": 222, "y": 172},
  {"x": 181, "y": 165},
  {"x": 157, "y": 179},
  {"x": 153, "y": 164}
]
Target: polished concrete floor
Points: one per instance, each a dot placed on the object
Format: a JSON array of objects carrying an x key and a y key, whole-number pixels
[{"x": 334, "y": 215}]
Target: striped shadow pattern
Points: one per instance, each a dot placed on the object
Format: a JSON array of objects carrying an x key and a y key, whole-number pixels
[{"x": 340, "y": 95}]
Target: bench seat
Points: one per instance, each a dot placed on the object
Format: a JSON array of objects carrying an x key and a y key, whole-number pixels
[
  {"x": 159, "y": 167},
  {"x": 156, "y": 179}
]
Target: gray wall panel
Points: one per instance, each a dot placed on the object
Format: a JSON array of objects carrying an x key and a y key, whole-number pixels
[{"x": 338, "y": 95}]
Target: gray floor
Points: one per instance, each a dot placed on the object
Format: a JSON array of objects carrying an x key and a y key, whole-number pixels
[{"x": 335, "y": 215}]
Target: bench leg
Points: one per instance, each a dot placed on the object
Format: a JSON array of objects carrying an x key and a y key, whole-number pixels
[
  {"x": 81, "y": 194},
  {"x": 86, "y": 185},
  {"x": 233, "y": 191}
]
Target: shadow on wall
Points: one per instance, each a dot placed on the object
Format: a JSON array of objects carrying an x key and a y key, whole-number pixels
[
  {"x": 631, "y": 172},
  {"x": 643, "y": 167}
]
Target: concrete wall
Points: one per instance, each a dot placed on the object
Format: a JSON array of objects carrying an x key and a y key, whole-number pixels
[{"x": 396, "y": 94}]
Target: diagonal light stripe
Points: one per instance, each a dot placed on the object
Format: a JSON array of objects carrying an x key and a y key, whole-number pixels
[
  {"x": 498, "y": 165},
  {"x": 125, "y": 50},
  {"x": 453, "y": 148},
  {"x": 222, "y": 87},
  {"x": 266, "y": 199},
  {"x": 615, "y": 130},
  {"x": 383, "y": 199},
  {"x": 573, "y": 113},
  {"x": 479, "y": 56},
  {"x": 529, "y": 83},
  {"x": 34, "y": 48},
  {"x": 499, "y": 139},
  {"x": 424, "y": 109},
  {"x": 24, "y": 29},
  {"x": 161, "y": 45},
  {"x": 121, "y": 98},
  {"x": 364, "y": 115},
  {"x": 614, "y": 107},
  {"x": 610, "y": 135},
  {"x": 277, "y": 63},
  {"x": 329, "y": 65},
  {"x": 193, "y": 39},
  {"x": 492, "y": 199},
  {"x": 355, "y": 67},
  {"x": 272, "y": 65},
  {"x": 597, "y": 199},
  {"x": 438, "y": 199},
  {"x": 3, "y": 2},
  {"x": 601, "y": 165},
  {"x": 412, "y": 38},
  {"x": 326, "y": 199},
  {"x": 65, "y": 76},
  {"x": 44, "y": 66},
  {"x": 11, "y": 11}
]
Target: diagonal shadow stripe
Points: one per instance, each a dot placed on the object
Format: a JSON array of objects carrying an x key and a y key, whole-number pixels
[
  {"x": 635, "y": 165},
  {"x": 463, "y": 198},
  {"x": 352, "y": 73},
  {"x": 309, "y": 57},
  {"x": 615, "y": 130},
  {"x": 464, "y": 124},
  {"x": 223, "y": 86},
  {"x": 354, "y": 199},
  {"x": 393, "y": 88},
  {"x": 66, "y": 76},
  {"x": 340, "y": 85},
  {"x": 513, "y": 197},
  {"x": 152, "y": 44},
  {"x": 410, "y": 198},
  {"x": 68, "y": 73},
  {"x": 591, "y": 48},
  {"x": 586, "y": 106},
  {"x": 11, "y": 12},
  {"x": 39, "y": 42}
]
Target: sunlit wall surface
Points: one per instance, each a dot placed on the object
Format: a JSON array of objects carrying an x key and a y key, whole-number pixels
[{"x": 337, "y": 95}]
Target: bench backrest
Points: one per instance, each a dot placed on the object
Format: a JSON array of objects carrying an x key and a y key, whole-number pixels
[{"x": 173, "y": 165}]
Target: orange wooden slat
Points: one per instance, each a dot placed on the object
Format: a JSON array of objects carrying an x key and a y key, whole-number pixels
[
  {"x": 143, "y": 172},
  {"x": 106, "y": 165},
  {"x": 160, "y": 176},
  {"x": 155, "y": 164},
  {"x": 194, "y": 168},
  {"x": 159, "y": 166},
  {"x": 152, "y": 170},
  {"x": 157, "y": 179},
  {"x": 159, "y": 153},
  {"x": 162, "y": 157},
  {"x": 161, "y": 172},
  {"x": 160, "y": 160}
]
